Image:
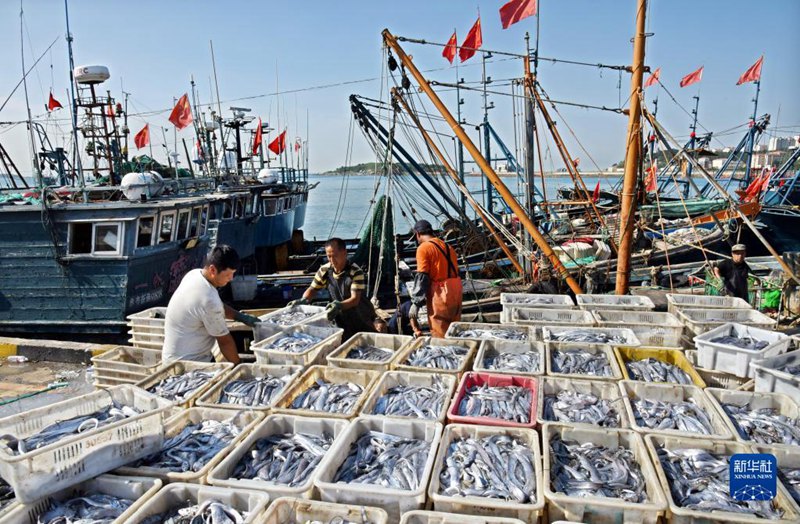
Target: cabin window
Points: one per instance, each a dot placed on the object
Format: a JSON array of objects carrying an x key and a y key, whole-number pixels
[
  {"x": 80, "y": 238},
  {"x": 195, "y": 222},
  {"x": 238, "y": 209},
  {"x": 166, "y": 228},
  {"x": 106, "y": 238},
  {"x": 227, "y": 209},
  {"x": 204, "y": 214},
  {"x": 213, "y": 211},
  {"x": 144, "y": 231},
  {"x": 270, "y": 206},
  {"x": 183, "y": 224},
  {"x": 287, "y": 203},
  {"x": 87, "y": 238},
  {"x": 279, "y": 203},
  {"x": 250, "y": 206}
]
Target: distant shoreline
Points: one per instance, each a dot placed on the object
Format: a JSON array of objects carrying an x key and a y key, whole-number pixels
[{"x": 557, "y": 174}]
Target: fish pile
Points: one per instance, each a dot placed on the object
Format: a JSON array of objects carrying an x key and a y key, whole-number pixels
[
  {"x": 576, "y": 361},
  {"x": 326, "y": 396},
  {"x": 289, "y": 318},
  {"x": 586, "y": 336},
  {"x": 654, "y": 370},
  {"x": 588, "y": 470},
  {"x": 209, "y": 512},
  {"x": 700, "y": 480},
  {"x": 180, "y": 387},
  {"x": 683, "y": 416},
  {"x": 498, "y": 466},
  {"x": 765, "y": 425},
  {"x": 6, "y": 494},
  {"x": 287, "y": 459},
  {"x": 527, "y": 361},
  {"x": 749, "y": 343},
  {"x": 504, "y": 402},
  {"x": 193, "y": 447},
  {"x": 792, "y": 370},
  {"x": 385, "y": 460},
  {"x": 437, "y": 357},
  {"x": 253, "y": 392},
  {"x": 424, "y": 402},
  {"x": 69, "y": 427},
  {"x": 791, "y": 479},
  {"x": 97, "y": 508},
  {"x": 370, "y": 353},
  {"x": 532, "y": 300},
  {"x": 493, "y": 334},
  {"x": 584, "y": 408},
  {"x": 293, "y": 343}
]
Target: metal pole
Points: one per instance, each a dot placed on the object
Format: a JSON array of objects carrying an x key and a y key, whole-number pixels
[
  {"x": 34, "y": 157},
  {"x": 693, "y": 136},
  {"x": 75, "y": 151},
  {"x": 751, "y": 141},
  {"x": 486, "y": 138}
]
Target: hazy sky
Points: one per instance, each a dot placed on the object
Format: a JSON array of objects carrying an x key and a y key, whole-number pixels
[{"x": 153, "y": 48}]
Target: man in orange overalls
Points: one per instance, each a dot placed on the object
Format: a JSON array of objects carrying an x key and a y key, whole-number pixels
[{"x": 436, "y": 283}]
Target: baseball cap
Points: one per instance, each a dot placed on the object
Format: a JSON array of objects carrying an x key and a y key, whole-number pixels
[
  {"x": 423, "y": 227},
  {"x": 738, "y": 247}
]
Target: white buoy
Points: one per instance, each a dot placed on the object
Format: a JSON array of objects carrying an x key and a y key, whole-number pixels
[{"x": 134, "y": 185}]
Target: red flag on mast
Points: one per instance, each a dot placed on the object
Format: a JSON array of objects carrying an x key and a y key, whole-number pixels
[
  {"x": 650, "y": 183},
  {"x": 181, "y": 115},
  {"x": 298, "y": 143},
  {"x": 53, "y": 104},
  {"x": 258, "y": 138},
  {"x": 515, "y": 10},
  {"x": 692, "y": 78},
  {"x": 472, "y": 42},
  {"x": 596, "y": 192},
  {"x": 142, "y": 138},
  {"x": 753, "y": 74},
  {"x": 279, "y": 144},
  {"x": 653, "y": 78},
  {"x": 450, "y": 50}
]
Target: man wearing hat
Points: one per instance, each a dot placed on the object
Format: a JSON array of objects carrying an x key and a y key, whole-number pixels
[
  {"x": 437, "y": 282},
  {"x": 734, "y": 273}
]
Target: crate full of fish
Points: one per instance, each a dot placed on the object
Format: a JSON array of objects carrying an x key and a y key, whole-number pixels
[
  {"x": 698, "y": 321},
  {"x": 682, "y": 464},
  {"x": 125, "y": 365},
  {"x": 488, "y": 471},
  {"x": 438, "y": 517},
  {"x": 292, "y": 315},
  {"x": 405, "y": 394},
  {"x": 182, "y": 382},
  {"x": 282, "y": 456},
  {"x": 788, "y": 460},
  {"x": 487, "y": 331},
  {"x": 614, "y": 302},
  {"x": 678, "y": 301},
  {"x": 249, "y": 386},
  {"x": 759, "y": 418},
  {"x": 182, "y": 502},
  {"x": 552, "y": 317},
  {"x": 732, "y": 347},
  {"x": 647, "y": 364},
  {"x": 290, "y": 510},
  {"x": 650, "y": 327},
  {"x": 580, "y": 402},
  {"x": 381, "y": 462},
  {"x": 373, "y": 351},
  {"x": 511, "y": 300},
  {"x": 599, "y": 475},
  {"x": 328, "y": 392},
  {"x": 53, "y": 447},
  {"x": 719, "y": 379},
  {"x": 590, "y": 335},
  {"x": 588, "y": 361},
  {"x": 673, "y": 409},
  {"x": 195, "y": 440},
  {"x": 298, "y": 345},
  {"x": 512, "y": 358},
  {"x": 494, "y": 400},
  {"x": 437, "y": 355},
  {"x": 779, "y": 374}
]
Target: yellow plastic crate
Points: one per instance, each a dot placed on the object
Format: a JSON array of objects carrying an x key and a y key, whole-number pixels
[{"x": 670, "y": 356}]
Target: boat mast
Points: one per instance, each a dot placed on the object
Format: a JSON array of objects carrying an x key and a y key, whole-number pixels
[
  {"x": 76, "y": 156},
  {"x": 693, "y": 135},
  {"x": 36, "y": 170},
  {"x": 632, "y": 156},
  {"x": 751, "y": 141}
]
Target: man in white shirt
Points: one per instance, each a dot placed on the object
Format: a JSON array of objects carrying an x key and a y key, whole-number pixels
[{"x": 195, "y": 319}]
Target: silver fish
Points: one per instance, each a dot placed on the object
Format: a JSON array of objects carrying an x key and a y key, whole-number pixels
[
  {"x": 329, "y": 397},
  {"x": 425, "y": 402},
  {"x": 497, "y": 466},
  {"x": 370, "y": 353},
  {"x": 700, "y": 480},
  {"x": 193, "y": 447},
  {"x": 792, "y": 370},
  {"x": 588, "y": 470},
  {"x": 209, "y": 512},
  {"x": 532, "y": 300},
  {"x": 289, "y": 318},
  {"x": 493, "y": 334},
  {"x": 684, "y": 416},
  {"x": 765, "y": 425},
  {"x": 654, "y": 370},
  {"x": 180, "y": 387},
  {"x": 577, "y": 361},
  {"x": 296, "y": 342},
  {"x": 286, "y": 459},
  {"x": 97, "y": 508},
  {"x": 749, "y": 343},
  {"x": 6, "y": 494},
  {"x": 385, "y": 460},
  {"x": 253, "y": 392},
  {"x": 571, "y": 406},
  {"x": 437, "y": 357},
  {"x": 527, "y": 361},
  {"x": 590, "y": 337},
  {"x": 504, "y": 402},
  {"x": 791, "y": 479}
]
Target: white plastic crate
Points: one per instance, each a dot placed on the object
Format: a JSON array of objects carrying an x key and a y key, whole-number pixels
[
  {"x": 698, "y": 321},
  {"x": 511, "y": 301},
  {"x": 244, "y": 420},
  {"x": 602, "y": 509},
  {"x": 312, "y": 313},
  {"x": 391, "y": 379},
  {"x": 608, "y": 351},
  {"x": 76, "y": 458},
  {"x": 137, "y": 489},
  {"x": 125, "y": 365},
  {"x": 185, "y": 366},
  {"x": 289, "y": 509},
  {"x": 438, "y": 517},
  {"x": 672, "y": 393},
  {"x": 456, "y": 330},
  {"x": 149, "y": 321},
  {"x": 719, "y": 379},
  {"x": 734, "y": 360},
  {"x": 784, "y": 404},
  {"x": 629, "y": 338},
  {"x": 221, "y": 475},
  {"x": 650, "y": 327},
  {"x": 601, "y": 389},
  {"x": 331, "y": 338},
  {"x": 401, "y": 361},
  {"x": 771, "y": 375},
  {"x": 210, "y": 399},
  {"x": 787, "y": 458},
  {"x": 552, "y": 317},
  {"x": 615, "y": 302},
  {"x": 394, "y": 501},
  {"x": 180, "y": 495},
  {"x": 530, "y": 512},
  {"x": 395, "y": 343},
  {"x": 490, "y": 348},
  {"x": 360, "y": 377},
  {"x": 678, "y": 301}
]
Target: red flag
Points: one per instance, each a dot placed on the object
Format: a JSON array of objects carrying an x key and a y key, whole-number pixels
[
  {"x": 451, "y": 48},
  {"x": 516, "y": 10},
  {"x": 279, "y": 144},
  {"x": 200, "y": 153},
  {"x": 692, "y": 78},
  {"x": 753, "y": 74},
  {"x": 181, "y": 115},
  {"x": 110, "y": 111},
  {"x": 576, "y": 162},
  {"x": 257, "y": 140},
  {"x": 652, "y": 79},
  {"x": 142, "y": 138},
  {"x": 298, "y": 143},
  {"x": 596, "y": 193},
  {"x": 650, "y": 183},
  {"x": 472, "y": 42},
  {"x": 53, "y": 104}
]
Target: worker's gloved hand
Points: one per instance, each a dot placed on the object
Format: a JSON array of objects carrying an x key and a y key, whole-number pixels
[
  {"x": 413, "y": 311},
  {"x": 333, "y": 309},
  {"x": 244, "y": 318},
  {"x": 298, "y": 302}
]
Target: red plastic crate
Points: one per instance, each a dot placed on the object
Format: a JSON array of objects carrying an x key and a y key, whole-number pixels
[{"x": 492, "y": 380}]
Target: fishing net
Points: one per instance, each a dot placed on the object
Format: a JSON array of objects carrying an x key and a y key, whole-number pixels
[{"x": 375, "y": 253}]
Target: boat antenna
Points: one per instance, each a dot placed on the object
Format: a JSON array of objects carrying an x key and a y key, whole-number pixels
[
  {"x": 76, "y": 157},
  {"x": 36, "y": 170}
]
